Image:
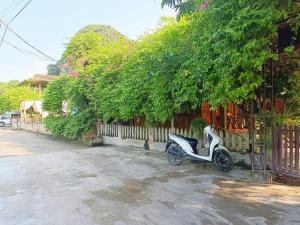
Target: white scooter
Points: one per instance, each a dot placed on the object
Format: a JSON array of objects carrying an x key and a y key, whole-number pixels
[{"x": 181, "y": 148}]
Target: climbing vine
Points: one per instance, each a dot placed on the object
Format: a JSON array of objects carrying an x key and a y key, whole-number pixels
[{"x": 214, "y": 53}]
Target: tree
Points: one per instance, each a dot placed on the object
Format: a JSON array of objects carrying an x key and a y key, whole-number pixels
[
  {"x": 91, "y": 53},
  {"x": 80, "y": 115},
  {"x": 87, "y": 51},
  {"x": 288, "y": 85},
  {"x": 53, "y": 69},
  {"x": 10, "y": 84},
  {"x": 11, "y": 98},
  {"x": 55, "y": 94},
  {"x": 108, "y": 33},
  {"x": 232, "y": 41},
  {"x": 214, "y": 55},
  {"x": 150, "y": 79},
  {"x": 185, "y": 7}
]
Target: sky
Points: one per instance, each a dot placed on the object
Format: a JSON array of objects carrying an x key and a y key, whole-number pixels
[{"x": 49, "y": 25}]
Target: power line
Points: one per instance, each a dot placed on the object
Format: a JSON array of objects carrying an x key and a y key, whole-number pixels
[
  {"x": 18, "y": 13},
  {"x": 24, "y": 51},
  {"x": 18, "y": 49},
  {"x": 27, "y": 43},
  {"x": 12, "y": 6},
  {"x": 27, "y": 3}
]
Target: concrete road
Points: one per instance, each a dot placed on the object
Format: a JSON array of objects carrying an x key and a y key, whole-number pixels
[{"x": 48, "y": 181}]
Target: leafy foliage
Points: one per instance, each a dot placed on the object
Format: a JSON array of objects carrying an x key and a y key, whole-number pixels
[
  {"x": 290, "y": 64},
  {"x": 149, "y": 82},
  {"x": 233, "y": 40},
  {"x": 79, "y": 118},
  {"x": 93, "y": 53},
  {"x": 183, "y": 7},
  {"x": 12, "y": 95},
  {"x": 107, "y": 84},
  {"x": 88, "y": 51},
  {"x": 10, "y": 84},
  {"x": 108, "y": 33},
  {"x": 53, "y": 69},
  {"x": 55, "y": 95},
  {"x": 214, "y": 54}
]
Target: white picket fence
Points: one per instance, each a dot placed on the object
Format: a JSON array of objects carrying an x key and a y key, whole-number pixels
[
  {"x": 236, "y": 142},
  {"x": 137, "y": 133},
  {"x": 110, "y": 130}
]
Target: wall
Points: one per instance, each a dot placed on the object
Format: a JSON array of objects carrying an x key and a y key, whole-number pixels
[
  {"x": 135, "y": 134},
  {"x": 113, "y": 134},
  {"x": 36, "y": 127}
]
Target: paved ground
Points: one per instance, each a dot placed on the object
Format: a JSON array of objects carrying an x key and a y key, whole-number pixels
[{"x": 44, "y": 180}]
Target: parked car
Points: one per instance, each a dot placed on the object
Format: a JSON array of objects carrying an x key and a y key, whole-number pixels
[{"x": 7, "y": 117}]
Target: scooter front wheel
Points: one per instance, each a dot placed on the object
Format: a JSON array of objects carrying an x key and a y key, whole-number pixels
[
  {"x": 223, "y": 160},
  {"x": 174, "y": 159}
]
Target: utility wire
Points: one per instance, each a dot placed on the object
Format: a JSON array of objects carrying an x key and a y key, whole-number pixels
[
  {"x": 12, "y": 6},
  {"x": 15, "y": 47},
  {"x": 7, "y": 26},
  {"x": 24, "y": 51},
  {"x": 27, "y": 3},
  {"x": 4, "y": 12},
  {"x": 27, "y": 43}
]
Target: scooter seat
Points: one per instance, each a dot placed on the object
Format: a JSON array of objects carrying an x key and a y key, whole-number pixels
[{"x": 192, "y": 141}]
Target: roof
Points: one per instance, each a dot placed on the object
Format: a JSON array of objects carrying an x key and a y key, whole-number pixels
[
  {"x": 35, "y": 105},
  {"x": 41, "y": 77}
]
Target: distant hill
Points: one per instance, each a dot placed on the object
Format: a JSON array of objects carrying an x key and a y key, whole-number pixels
[{"x": 110, "y": 34}]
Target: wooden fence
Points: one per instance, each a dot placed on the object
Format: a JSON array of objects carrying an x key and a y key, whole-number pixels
[
  {"x": 134, "y": 132},
  {"x": 110, "y": 130},
  {"x": 235, "y": 142},
  {"x": 286, "y": 150}
]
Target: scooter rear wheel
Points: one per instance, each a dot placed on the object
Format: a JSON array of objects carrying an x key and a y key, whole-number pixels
[
  {"x": 173, "y": 159},
  {"x": 223, "y": 160}
]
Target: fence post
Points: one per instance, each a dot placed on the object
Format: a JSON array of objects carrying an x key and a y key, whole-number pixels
[
  {"x": 291, "y": 145},
  {"x": 286, "y": 147},
  {"x": 119, "y": 130},
  {"x": 151, "y": 136},
  {"x": 280, "y": 138},
  {"x": 274, "y": 147},
  {"x": 297, "y": 149},
  {"x": 97, "y": 129},
  {"x": 227, "y": 139},
  {"x": 172, "y": 125},
  {"x": 247, "y": 142},
  {"x": 240, "y": 143}
]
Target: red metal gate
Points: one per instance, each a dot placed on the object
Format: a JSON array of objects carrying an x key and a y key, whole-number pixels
[{"x": 286, "y": 150}]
